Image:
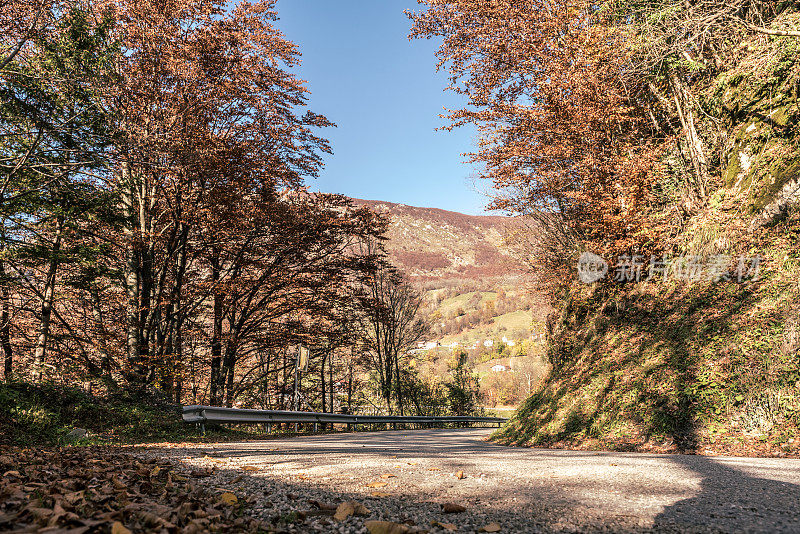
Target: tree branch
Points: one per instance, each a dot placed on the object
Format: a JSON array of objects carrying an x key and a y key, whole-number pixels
[{"x": 767, "y": 31}]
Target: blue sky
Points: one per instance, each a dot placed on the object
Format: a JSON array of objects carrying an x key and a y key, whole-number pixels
[{"x": 383, "y": 93}]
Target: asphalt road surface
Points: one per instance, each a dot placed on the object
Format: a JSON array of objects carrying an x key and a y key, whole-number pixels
[{"x": 524, "y": 490}]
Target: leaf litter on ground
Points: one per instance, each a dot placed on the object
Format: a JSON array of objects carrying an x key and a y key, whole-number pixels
[{"x": 86, "y": 490}]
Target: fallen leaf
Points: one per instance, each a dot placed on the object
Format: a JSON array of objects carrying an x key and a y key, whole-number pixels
[
  {"x": 447, "y": 526},
  {"x": 348, "y": 508},
  {"x": 344, "y": 510},
  {"x": 380, "y": 494},
  {"x": 386, "y": 527},
  {"x": 228, "y": 498},
  {"x": 452, "y": 508},
  {"x": 388, "y": 475},
  {"x": 412, "y": 463},
  {"x": 491, "y": 527},
  {"x": 322, "y": 505},
  {"x": 250, "y": 468},
  {"x": 156, "y": 470},
  {"x": 377, "y": 484},
  {"x": 460, "y": 475},
  {"x": 119, "y": 528}
]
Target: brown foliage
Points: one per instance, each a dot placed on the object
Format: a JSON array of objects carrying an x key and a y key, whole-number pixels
[{"x": 562, "y": 133}]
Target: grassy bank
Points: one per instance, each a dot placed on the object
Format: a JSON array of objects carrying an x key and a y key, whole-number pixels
[{"x": 702, "y": 367}]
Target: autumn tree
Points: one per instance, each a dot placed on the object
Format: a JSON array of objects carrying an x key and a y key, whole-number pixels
[
  {"x": 285, "y": 274},
  {"x": 562, "y": 134},
  {"x": 196, "y": 111}
]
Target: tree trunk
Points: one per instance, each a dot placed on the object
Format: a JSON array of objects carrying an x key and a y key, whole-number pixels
[
  {"x": 100, "y": 334},
  {"x": 350, "y": 385},
  {"x": 216, "y": 335},
  {"x": 5, "y": 325},
  {"x": 322, "y": 382},
  {"x": 398, "y": 384},
  {"x": 40, "y": 348},
  {"x": 330, "y": 386},
  {"x": 132, "y": 281},
  {"x": 228, "y": 372},
  {"x": 180, "y": 269},
  {"x": 694, "y": 142}
]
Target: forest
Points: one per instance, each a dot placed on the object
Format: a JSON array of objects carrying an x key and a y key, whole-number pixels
[{"x": 158, "y": 236}]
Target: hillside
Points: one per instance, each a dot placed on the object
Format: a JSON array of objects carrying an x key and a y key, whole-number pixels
[
  {"x": 476, "y": 298},
  {"x": 435, "y": 244}
]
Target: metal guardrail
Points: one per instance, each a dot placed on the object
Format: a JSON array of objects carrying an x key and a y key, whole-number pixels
[{"x": 213, "y": 414}]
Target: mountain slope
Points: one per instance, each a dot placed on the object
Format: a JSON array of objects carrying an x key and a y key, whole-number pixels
[{"x": 431, "y": 243}]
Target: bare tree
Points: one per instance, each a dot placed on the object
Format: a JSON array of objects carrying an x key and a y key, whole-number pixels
[{"x": 391, "y": 325}]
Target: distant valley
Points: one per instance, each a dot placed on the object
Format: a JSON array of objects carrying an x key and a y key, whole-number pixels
[{"x": 478, "y": 298}]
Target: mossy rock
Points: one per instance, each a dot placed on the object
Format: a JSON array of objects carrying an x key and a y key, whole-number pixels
[{"x": 781, "y": 173}]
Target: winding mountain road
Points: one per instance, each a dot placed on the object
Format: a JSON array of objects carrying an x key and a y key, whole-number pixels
[{"x": 524, "y": 490}]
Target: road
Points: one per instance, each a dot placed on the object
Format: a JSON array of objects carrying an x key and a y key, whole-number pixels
[{"x": 524, "y": 490}]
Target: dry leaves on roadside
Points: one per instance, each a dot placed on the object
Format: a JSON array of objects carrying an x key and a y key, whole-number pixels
[
  {"x": 386, "y": 527},
  {"x": 388, "y": 475},
  {"x": 322, "y": 505},
  {"x": 460, "y": 475},
  {"x": 348, "y": 508},
  {"x": 228, "y": 498},
  {"x": 84, "y": 490},
  {"x": 491, "y": 527},
  {"x": 447, "y": 526},
  {"x": 452, "y": 508},
  {"x": 377, "y": 484},
  {"x": 119, "y": 528}
]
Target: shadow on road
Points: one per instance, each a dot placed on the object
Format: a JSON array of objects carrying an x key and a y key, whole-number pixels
[{"x": 732, "y": 500}]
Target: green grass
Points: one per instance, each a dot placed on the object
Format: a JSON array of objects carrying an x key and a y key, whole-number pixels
[
  {"x": 452, "y": 304},
  {"x": 43, "y": 414},
  {"x": 503, "y": 325},
  {"x": 518, "y": 319}
]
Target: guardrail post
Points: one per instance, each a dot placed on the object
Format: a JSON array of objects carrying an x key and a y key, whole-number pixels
[{"x": 315, "y": 428}]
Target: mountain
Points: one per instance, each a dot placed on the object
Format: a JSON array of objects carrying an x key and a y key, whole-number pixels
[{"x": 436, "y": 244}]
